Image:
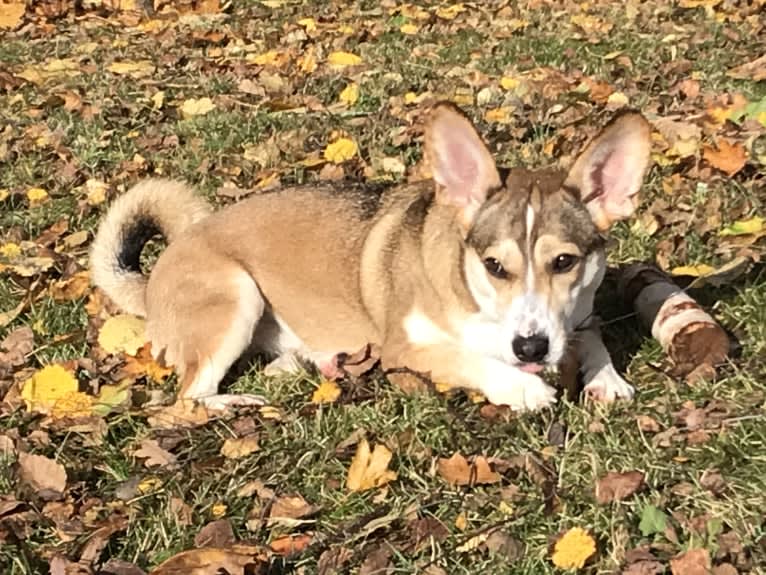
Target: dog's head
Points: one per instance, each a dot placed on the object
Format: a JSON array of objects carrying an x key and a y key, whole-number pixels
[{"x": 533, "y": 253}]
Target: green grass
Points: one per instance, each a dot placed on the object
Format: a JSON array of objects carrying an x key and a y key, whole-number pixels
[{"x": 299, "y": 452}]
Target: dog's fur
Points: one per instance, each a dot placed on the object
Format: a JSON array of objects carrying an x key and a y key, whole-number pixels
[{"x": 478, "y": 281}]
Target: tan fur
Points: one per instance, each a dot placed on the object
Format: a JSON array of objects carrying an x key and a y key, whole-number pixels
[{"x": 315, "y": 271}]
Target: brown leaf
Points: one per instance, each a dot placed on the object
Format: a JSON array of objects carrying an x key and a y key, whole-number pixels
[
  {"x": 359, "y": 363},
  {"x": 332, "y": 560},
  {"x": 424, "y": 531},
  {"x": 44, "y": 475},
  {"x": 98, "y": 540},
  {"x": 181, "y": 511},
  {"x": 120, "y": 567},
  {"x": 457, "y": 471},
  {"x": 713, "y": 481},
  {"x": 693, "y": 562},
  {"x": 289, "y": 544},
  {"x": 154, "y": 455},
  {"x": 11, "y": 13},
  {"x": 725, "y": 569},
  {"x": 211, "y": 560},
  {"x": 502, "y": 543},
  {"x": 377, "y": 562},
  {"x": 215, "y": 534},
  {"x": 290, "y": 507},
  {"x": 239, "y": 447},
  {"x": 729, "y": 157},
  {"x": 16, "y": 345},
  {"x": 755, "y": 70},
  {"x": 649, "y": 567},
  {"x": 647, "y": 424},
  {"x": 615, "y": 486},
  {"x": 369, "y": 469}
]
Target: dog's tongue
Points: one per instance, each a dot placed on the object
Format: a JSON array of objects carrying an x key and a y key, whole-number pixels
[{"x": 531, "y": 367}]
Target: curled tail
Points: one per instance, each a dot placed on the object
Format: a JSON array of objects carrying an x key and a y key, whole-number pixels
[{"x": 149, "y": 208}]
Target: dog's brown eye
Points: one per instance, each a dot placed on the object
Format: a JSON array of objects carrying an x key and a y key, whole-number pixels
[
  {"x": 563, "y": 263},
  {"x": 495, "y": 268}
]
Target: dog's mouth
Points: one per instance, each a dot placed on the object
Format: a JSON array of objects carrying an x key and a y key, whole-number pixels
[{"x": 531, "y": 367}]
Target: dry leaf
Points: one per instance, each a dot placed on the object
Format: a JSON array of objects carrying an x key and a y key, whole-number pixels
[
  {"x": 235, "y": 559},
  {"x": 457, "y": 471},
  {"x": 16, "y": 345},
  {"x": 36, "y": 196},
  {"x": 616, "y": 486},
  {"x": 139, "y": 69},
  {"x": 747, "y": 227},
  {"x": 11, "y": 14},
  {"x": 47, "y": 386},
  {"x": 196, "y": 107},
  {"x": 755, "y": 70},
  {"x": 122, "y": 334},
  {"x": 217, "y": 533},
  {"x": 343, "y": 59},
  {"x": 350, "y": 94},
  {"x": 154, "y": 455},
  {"x": 290, "y": 507},
  {"x": 289, "y": 544},
  {"x": 236, "y": 448},
  {"x": 409, "y": 29},
  {"x": 730, "y": 157},
  {"x": 693, "y": 562},
  {"x": 340, "y": 150},
  {"x": 573, "y": 549},
  {"x": 71, "y": 288},
  {"x": 44, "y": 475},
  {"x": 327, "y": 392},
  {"x": 369, "y": 470}
]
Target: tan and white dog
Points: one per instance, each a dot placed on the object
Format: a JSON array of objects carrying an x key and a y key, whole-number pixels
[{"x": 479, "y": 281}]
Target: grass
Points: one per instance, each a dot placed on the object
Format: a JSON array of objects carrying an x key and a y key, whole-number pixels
[{"x": 576, "y": 443}]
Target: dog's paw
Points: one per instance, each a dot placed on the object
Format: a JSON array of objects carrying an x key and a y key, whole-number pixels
[
  {"x": 286, "y": 364},
  {"x": 607, "y": 386},
  {"x": 519, "y": 390},
  {"x": 227, "y": 401}
]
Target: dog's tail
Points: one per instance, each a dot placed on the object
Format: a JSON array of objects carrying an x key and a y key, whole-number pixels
[{"x": 149, "y": 208}]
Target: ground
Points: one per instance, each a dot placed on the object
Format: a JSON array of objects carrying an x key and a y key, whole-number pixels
[{"x": 245, "y": 97}]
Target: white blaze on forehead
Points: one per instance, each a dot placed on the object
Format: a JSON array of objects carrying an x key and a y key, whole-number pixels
[{"x": 530, "y": 268}]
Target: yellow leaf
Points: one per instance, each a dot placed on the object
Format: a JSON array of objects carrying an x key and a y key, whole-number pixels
[
  {"x": 508, "y": 83},
  {"x": 36, "y": 196},
  {"x": 4, "y": 194},
  {"x": 617, "y": 100},
  {"x": 122, "y": 333},
  {"x": 197, "y": 107},
  {"x": 343, "y": 59},
  {"x": 350, "y": 94},
  {"x": 11, "y": 14},
  {"x": 369, "y": 470},
  {"x": 327, "y": 392},
  {"x": 218, "y": 510},
  {"x": 308, "y": 62},
  {"x": 308, "y": 23},
  {"x": 573, "y": 549},
  {"x": 96, "y": 192},
  {"x": 740, "y": 228},
  {"x": 409, "y": 29},
  {"x": 499, "y": 115},
  {"x": 52, "y": 383},
  {"x": 696, "y": 271},
  {"x": 271, "y": 58},
  {"x": 473, "y": 543},
  {"x": 149, "y": 485},
  {"x": 139, "y": 69},
  {"x": 158, "y": 100},
  {"x": 77, "y": 404},
  {"x": 450, "y": 12},
  {"x": 10, "y": 250},
  {"x": 111, "y": 397},
  {"x": 410, "y": 97},
  {"x": 340, "y": 150},
  {"x": 461, "y": 522},
  {"x": 236, "y": 448}
]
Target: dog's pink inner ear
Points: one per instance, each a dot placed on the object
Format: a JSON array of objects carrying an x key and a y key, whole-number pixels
[
  {"x": 610, "y": 171},
  {"x": 460, "y": 163}
]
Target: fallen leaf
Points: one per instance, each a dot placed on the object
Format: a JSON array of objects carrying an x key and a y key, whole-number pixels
[
  {"x": 340, "y": 150},
  {"x": 71, "y": 288},
  {"x": 369, "y": 469},
  {"x": 744, "y": 227},
  {"x": 653, "y": 520},
  {"x": 36, "y": 196},
  {"x": 308, "y": 23},
  {"x": 289, "y": 544},
  {"x": 47, "y": 386},
  {"x": 196, "y": 107},
  {"x": 154, "y": 455},
  {"x": 332, "y": 560},
  {"x": 73, "y": 405},
  {"x": 44, "y": 475},
  {"x": 409, "y": 29},
  {"x": 501, "y": 543},
  {"x": 450, "y": 12},
  {"x": 139, "y": 69},
  {"x": 573, "y": 549},
  {"x": 234, "y": 559},
  {"x": 290, "y": 507},
  {"x": 754, "y": 70},
  {"x": 693, "y": 562},
  {"x": 218, "y": 533},
  {"x": 143, "y": 363},
  {"x": 377, "y": 561},
  {"x": 343, "y": 59},
  {"x": 327, "y": 392},
  {"x": 457, "y": 471},
  {"x": 16, "y": 346},
  {"x": 350, "y": 94},
  {"x": 682, "y": 137},
  {"x": 729, "y": 157},
  {"x": 122, "y": 334},
  {"x": 120, "y": 567},
  {"x": 111, "y": 397},
  {"x": 218, "y": 510},
  {"x": 647, "y": 424},
  {"x": 615, "y": 486},
  {"x": 239, "y": 447},
  {"x": 698, "y": 270},
  {"x": 11, "y": 14}
]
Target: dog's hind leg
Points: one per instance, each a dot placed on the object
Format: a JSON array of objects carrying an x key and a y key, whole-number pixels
[
  {"x": 209, "y": 332},
  {"x": 602, "y": 382}
]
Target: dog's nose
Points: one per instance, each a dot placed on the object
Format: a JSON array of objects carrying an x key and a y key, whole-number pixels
[{"x": 530, "y": 349}]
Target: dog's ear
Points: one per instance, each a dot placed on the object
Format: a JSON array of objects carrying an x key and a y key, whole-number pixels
[
  {"x": 608, "y": 174},
  {"x": 460, "y": 163}
]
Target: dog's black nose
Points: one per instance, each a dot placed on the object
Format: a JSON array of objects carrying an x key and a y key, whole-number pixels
[{"x": 530, "y": 349}]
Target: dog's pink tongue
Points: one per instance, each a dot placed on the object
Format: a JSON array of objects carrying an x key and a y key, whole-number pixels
[{"x": 531, "y": 367}]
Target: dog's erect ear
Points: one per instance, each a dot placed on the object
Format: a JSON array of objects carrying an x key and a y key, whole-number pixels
[
  {"x": 461, "y": 165},
  {"x": 611, "y": 169}
]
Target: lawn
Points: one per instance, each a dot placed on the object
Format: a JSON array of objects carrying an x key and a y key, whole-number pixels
[{"x": 244, "y": 97}]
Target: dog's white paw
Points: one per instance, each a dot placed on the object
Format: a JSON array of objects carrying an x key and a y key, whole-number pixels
[
  {"x": 519, "y": 390},
  {"x": 607, "y": 385},
  {"x": 285, "y": 364},
  {"x": 226, "y": 401}
]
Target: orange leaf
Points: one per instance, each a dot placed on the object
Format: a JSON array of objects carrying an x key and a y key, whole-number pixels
[
  {"x": 289, "y": 544},
  {"x": 730, "y": 157}
]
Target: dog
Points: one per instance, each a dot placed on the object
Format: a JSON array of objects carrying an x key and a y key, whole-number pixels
[{"x": 478, "y": 280}]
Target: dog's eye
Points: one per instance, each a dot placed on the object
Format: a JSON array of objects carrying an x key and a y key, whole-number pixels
[
  {"x": 563, "y": 263},
  {"x": 495, "y": 268}
]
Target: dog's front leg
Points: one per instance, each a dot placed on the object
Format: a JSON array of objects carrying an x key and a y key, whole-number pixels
[
  {"x": 501, "y": 383},
  {"x": 602, "y": 382}
]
